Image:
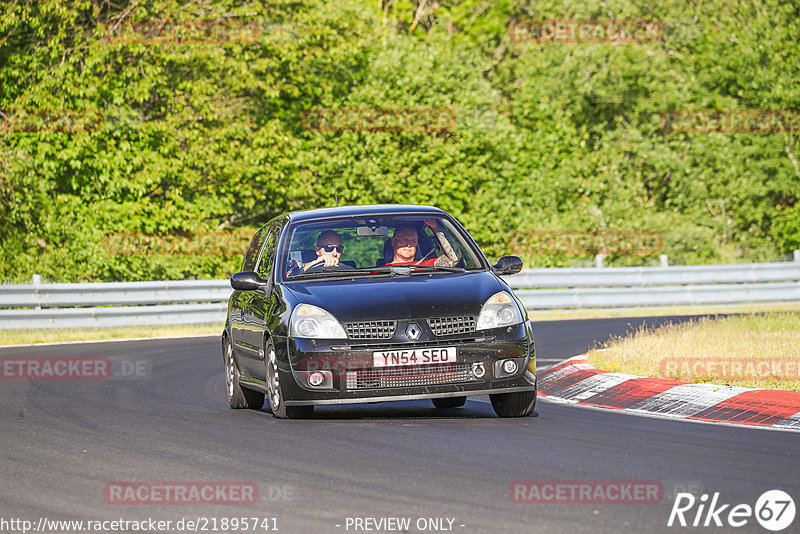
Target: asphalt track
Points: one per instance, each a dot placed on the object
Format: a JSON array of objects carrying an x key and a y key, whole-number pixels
[{"x": 62, "y": 442}]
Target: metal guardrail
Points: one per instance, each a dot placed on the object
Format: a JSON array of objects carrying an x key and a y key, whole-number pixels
[
  {"x": 91, "y": 305},
  {"x": 88, "y": 305},
  {"x": 631, "y": 287},
  {"x": 656, "y": 276}
]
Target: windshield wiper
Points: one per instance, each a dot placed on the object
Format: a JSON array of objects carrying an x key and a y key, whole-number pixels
[
  {"x": 418, "y": 267},
  {"x": 322, "y": 273},
  {"x": 395, "y": 270},
  {"x": 407, "y": 269},
  {"x": 446, "y": 268}
]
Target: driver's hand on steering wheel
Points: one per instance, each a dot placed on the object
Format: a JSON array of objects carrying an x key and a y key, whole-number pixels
[
  {"x": 325, "y": 257},
  {"x": 322, "y": 261}
]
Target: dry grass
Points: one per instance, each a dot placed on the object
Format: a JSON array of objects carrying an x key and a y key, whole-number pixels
[
  {"x": 20, "y": 337},
  {"x": 759, "y": 350}
]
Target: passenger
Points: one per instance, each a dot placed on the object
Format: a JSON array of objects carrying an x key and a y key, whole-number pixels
[{"x": 404, "y": 243}]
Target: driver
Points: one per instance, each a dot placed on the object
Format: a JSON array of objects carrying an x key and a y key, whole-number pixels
[
  {"x": 404, "y": 243},
  {"x": 329, "y": 250}
]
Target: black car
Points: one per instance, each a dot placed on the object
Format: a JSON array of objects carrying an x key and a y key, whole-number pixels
[{"x": 375, "y": 303}]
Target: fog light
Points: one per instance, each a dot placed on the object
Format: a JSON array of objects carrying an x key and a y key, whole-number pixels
[
  {"x": 316, "y": 378},
  {"x": 510, "y": 367},
  {"x": 478, "y": 370}
]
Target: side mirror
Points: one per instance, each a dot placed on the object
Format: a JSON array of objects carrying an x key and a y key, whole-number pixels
[
  {"x": 247, "y": 281},
  {"x": 508, "y": 265}
]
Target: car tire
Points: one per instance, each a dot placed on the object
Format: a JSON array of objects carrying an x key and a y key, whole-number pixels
[
  {"x": 519, "y": 404},
  {"x": 275, "y": 393},
  {"x": 238, "y": 397},
  {"x": 449, "y": 402}
]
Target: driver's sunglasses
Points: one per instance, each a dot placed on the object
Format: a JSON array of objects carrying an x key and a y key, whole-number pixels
[{"x": 331, "y": 248}]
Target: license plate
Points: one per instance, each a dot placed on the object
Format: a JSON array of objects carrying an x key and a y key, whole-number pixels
[{"x": 421, "y": 356}]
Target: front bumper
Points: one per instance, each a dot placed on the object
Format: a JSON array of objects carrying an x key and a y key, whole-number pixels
[{"x": 351, "y": 377}]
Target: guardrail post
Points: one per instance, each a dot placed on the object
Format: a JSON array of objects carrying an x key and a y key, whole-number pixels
[
  {"x": 599, "y": 261},
  {"x": 37, "y": 281},
  {"x": 797, "y": 255},
  {"x": 664, "y": 259}
]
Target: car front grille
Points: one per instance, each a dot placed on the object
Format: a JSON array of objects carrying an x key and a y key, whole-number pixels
[
  {"x": 421, "y": 375},
  {"x": 371, "y": 330},
  {"x": 446, "y": 326}
]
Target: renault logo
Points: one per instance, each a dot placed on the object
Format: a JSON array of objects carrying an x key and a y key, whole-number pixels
[{"x": 413, "y": 331}]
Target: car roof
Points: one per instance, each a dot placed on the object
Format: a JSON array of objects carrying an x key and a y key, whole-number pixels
[{"x": 374, "y": 209}]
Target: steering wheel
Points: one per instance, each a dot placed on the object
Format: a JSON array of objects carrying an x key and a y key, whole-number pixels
[{"x": 321, "y": 266}]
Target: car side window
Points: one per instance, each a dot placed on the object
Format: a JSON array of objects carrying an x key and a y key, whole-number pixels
[
  {"x": 267, "y": 261},
  {"x": 250, "y": 257}
]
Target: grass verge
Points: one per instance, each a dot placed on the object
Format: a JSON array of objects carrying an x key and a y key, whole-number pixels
[
  {"x": 21, "y": 337},
  {"x": 760, "y": 350}
]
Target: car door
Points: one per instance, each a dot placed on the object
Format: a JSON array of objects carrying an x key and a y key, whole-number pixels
[
  {"x": 241, "y": 300},
  {"x": 257, "y": 306}
]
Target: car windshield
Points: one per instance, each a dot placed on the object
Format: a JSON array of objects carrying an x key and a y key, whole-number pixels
[{"x": 377, "y": 246}]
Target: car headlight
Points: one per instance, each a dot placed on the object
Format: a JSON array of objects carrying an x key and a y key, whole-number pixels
[
  {"x": 313, "y": 322},
  {"x": 499, "y": 310}
]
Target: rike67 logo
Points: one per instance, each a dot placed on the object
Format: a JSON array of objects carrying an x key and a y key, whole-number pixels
[{"x": 774, "y": 510}]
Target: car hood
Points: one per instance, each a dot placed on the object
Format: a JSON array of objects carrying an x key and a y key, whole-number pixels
[{"x": 416, "y": 296}]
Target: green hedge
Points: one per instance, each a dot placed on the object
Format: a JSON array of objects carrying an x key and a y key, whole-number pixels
[{"x": 170, "y": 119}]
